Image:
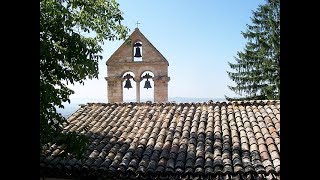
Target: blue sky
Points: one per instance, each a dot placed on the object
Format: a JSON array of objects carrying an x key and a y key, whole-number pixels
[{"x": 198, "y": 38}]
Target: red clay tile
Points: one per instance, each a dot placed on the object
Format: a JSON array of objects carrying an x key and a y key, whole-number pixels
[
  {"x": 141, "y": 139},
  {"x": 264, "y": 156},
  {"x": 274, "y": 155}
]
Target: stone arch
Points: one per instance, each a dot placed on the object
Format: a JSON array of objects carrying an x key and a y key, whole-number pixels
[
  {"x": 137, "y": 48},
  {"x": 147, "y": 93},
  {"x": 128, "y": 71},
  {"x": 127, "y": 93},
  {"x": 145, "y": 70}
]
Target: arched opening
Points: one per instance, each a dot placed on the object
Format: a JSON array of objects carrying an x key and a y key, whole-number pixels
[
  {"x": 137, "y": 51},
  {"x": 129, "y": 87},
  {"x": 147, "y": 87}
]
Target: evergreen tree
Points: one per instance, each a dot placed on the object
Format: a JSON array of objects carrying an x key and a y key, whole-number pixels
[{"x": 257, "y": 67}]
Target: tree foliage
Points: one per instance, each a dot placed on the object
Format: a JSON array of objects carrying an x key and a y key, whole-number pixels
[
  {"x": 257, "y": 67},
  {"x": 71, "y": 35}
]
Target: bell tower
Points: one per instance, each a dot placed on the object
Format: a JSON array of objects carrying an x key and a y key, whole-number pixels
[{"x": 137, "y": 55}]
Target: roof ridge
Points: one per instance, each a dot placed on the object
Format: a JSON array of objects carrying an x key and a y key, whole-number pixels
[{"x": 210, "y": 102}]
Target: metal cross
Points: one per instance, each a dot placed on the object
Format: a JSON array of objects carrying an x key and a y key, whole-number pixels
[{"x": 138, "y": 23}]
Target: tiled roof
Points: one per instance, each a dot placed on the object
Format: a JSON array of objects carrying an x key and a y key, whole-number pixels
[{"x": 212, "y": 140}]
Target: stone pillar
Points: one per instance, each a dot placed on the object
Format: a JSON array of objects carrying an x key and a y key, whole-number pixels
[
  {"x": 137, "y": 80},
  {"x": 115, "y": 89},
  {"x": 161, "y": 88}
]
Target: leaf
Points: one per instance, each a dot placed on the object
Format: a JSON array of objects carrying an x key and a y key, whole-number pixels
[{"x": 64, "y": 57}]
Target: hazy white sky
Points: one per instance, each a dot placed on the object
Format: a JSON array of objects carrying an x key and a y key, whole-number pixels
[{"x": 198, "y": 38}]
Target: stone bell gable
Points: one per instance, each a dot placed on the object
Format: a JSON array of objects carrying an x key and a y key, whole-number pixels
[
  {"x": 125, "y": 59},
  {"x": 124, "y": 54}
]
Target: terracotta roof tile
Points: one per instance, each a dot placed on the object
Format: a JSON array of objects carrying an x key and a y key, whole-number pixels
[{"x": 229, "y": 140}]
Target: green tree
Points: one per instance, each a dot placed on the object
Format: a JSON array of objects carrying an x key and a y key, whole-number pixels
[
  {"x": 71, "y": 35},
  {"x": 257, "y": 67}
]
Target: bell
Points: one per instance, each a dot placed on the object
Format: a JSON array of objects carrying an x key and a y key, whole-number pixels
[
  {"x": 147, "y": 84},
  {"x": 138, "y": 54},
  {"x": 128, "y": 84}
]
